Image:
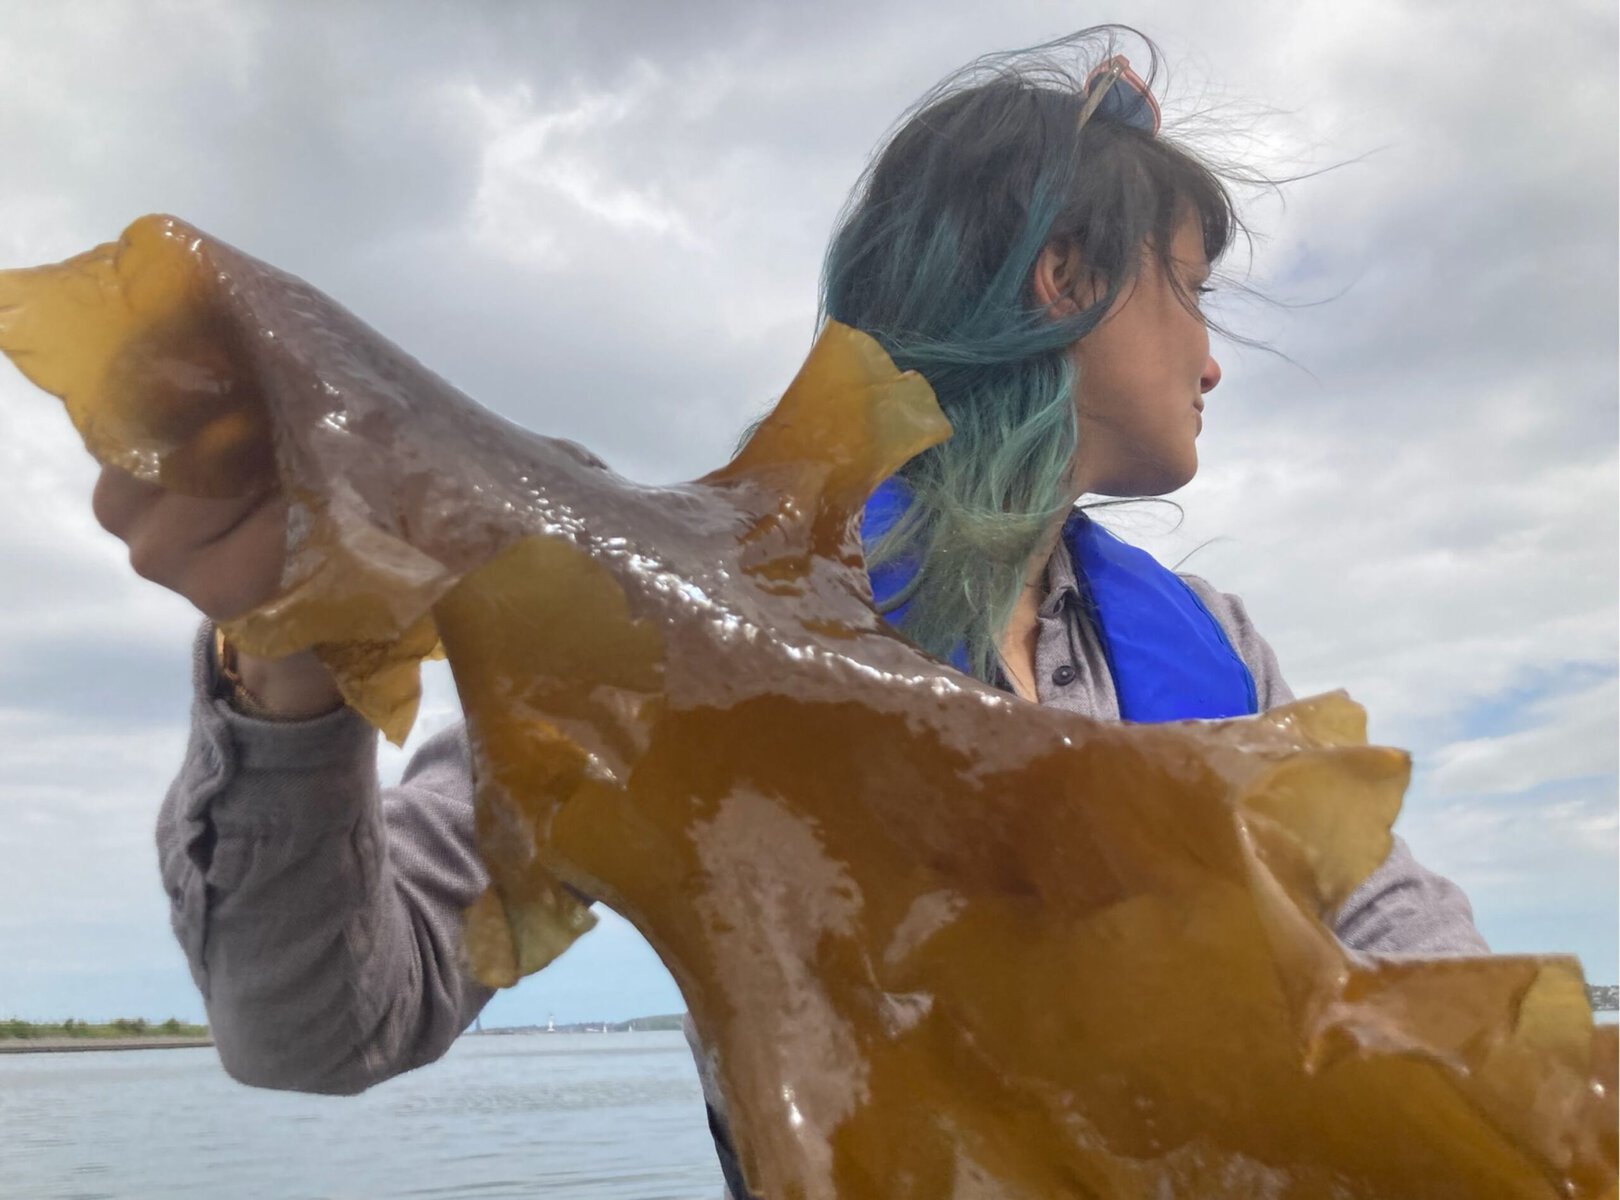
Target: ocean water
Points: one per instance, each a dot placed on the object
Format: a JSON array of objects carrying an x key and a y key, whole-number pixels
[{"x": 617, "y": 1116}]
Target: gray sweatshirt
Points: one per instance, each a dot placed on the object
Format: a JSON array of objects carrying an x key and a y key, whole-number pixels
[{"x": 321, "y": 914}]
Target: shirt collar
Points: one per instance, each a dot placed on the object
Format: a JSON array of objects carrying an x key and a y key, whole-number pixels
[{"x": 1060, "y": 577}]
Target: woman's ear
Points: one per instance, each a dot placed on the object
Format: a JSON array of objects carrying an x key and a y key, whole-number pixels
[{"x": 1058, "y": 276}]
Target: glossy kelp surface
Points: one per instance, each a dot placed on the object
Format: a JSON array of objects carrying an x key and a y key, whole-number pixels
[{"x": 941, "y": 942}]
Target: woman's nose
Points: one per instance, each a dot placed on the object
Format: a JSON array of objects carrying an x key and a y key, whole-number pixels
[{"x": 1211, "y": 375}]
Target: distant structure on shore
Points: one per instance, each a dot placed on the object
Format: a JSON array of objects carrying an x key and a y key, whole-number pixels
[
  {"x": 663, "y": 1021},
  {"x": 1604, "y": 997}
]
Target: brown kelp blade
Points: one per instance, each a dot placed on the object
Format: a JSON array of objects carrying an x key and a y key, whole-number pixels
[{"x": 941, "y": 942}]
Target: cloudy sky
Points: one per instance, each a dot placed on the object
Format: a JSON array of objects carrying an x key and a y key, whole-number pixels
[{"x": 605, "y": 220}]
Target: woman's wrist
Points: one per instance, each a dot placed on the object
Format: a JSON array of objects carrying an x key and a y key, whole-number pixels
[{"x": 295, "y": 688}]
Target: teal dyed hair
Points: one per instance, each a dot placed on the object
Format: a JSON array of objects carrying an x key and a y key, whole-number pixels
[{"x": 934, "y": 256}]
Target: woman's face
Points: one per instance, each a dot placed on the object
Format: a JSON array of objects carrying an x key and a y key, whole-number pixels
[{"x": 1143, "y": 373}]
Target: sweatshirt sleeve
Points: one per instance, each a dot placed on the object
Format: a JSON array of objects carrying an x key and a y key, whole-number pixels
[
  {"x": 320, "y": 916},
  {"x": 1402, "y": 907}
]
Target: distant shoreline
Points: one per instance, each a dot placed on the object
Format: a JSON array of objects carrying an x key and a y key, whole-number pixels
[
  {"x": 86, "y": 1045},
  {"x": 1603, "y": 999}
]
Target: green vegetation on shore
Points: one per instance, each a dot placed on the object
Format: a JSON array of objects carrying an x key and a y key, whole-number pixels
[
  {"x": 123, "y": 1027},
  {"x": 645, "y": 1024}
]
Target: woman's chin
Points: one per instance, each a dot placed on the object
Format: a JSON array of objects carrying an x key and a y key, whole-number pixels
[{"x": 1155, "y": 479}]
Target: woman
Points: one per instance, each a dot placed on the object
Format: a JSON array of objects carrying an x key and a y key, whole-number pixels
[{"x": 1031, "y": 244}]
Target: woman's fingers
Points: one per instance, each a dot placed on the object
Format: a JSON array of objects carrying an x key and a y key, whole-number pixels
[
  {"x": 120, "y": 499},
  {"x": 237, "y": 571},
  {"x": 225, "y": 556}
]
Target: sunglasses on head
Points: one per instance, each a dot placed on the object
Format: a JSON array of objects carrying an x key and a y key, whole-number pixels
[{"x": 1120, "y": 94}]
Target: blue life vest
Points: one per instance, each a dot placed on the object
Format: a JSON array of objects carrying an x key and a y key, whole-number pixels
[{"x": 1169, "y": 657}]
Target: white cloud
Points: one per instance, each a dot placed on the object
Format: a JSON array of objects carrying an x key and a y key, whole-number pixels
[
  {"x": 1569, "y": 736},
  {"x": 1562, "y": 851},
  {"x": 532, "y": 157}
]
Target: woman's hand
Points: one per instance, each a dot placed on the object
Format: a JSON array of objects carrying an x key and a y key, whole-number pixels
[{"x": 226, "y": 557}]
